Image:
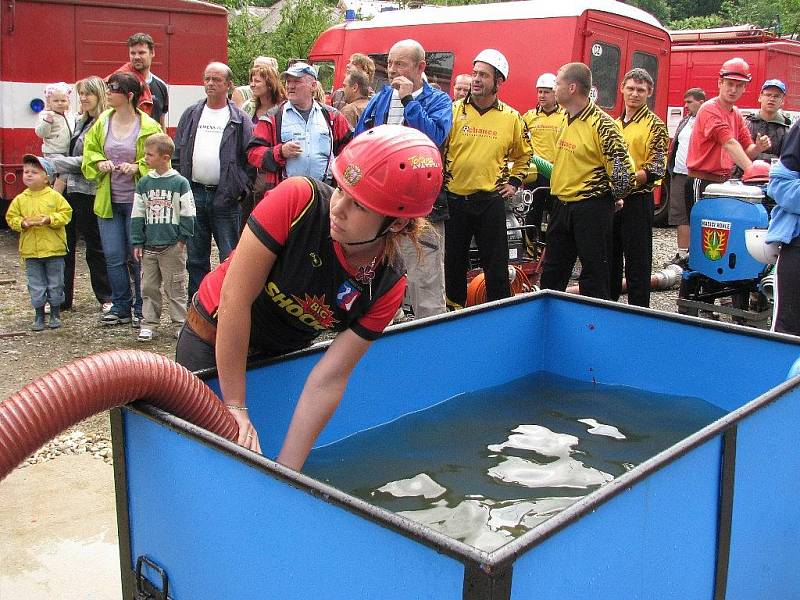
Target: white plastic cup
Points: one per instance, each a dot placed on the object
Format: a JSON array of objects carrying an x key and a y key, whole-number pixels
[{"x": 300, "y": 138}]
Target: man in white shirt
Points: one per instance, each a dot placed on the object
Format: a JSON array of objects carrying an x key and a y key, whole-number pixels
[
  {"x": 681, "y": 197},
  {"x": 210, "y": 151}
]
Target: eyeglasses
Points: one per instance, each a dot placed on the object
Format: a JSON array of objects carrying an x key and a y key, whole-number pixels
[
  {"x": 772, "y": 96},
  {"x": 115, "y": 88}
]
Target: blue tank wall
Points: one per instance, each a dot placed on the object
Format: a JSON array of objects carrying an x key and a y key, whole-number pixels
[
  {"x": 224, "y": 529},
  {"x": 196, "y": 510},
  {"x": 655, "y": 540}
]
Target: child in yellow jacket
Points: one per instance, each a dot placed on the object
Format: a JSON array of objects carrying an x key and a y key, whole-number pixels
[{"x": 40, "y": 214}]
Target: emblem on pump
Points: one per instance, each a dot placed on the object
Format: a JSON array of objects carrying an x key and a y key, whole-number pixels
[{"x": 715, "y": 236}]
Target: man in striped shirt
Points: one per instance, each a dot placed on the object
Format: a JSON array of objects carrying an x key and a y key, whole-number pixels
[{"x": 592, "y": 171}]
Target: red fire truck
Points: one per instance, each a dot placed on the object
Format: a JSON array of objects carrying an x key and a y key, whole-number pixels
[
  {"x": 536, "y": 37},
  {"x": 698, "y": 53},
  {"x": 45, "y": 41},
  {"x": 695, "y": 61}
]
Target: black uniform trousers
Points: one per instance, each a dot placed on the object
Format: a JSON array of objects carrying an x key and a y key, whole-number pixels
[
  {"x": 580, "y": 229},
  {"x": 632, "y": 244},
  {"x": 541, "y": 203},
  {"x": 787, "y": 291},
  {"x": 483, "y": 215},
  {"x": 84, "y": 222}
]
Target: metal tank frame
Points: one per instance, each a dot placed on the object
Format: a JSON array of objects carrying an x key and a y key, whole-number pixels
[{"x": 713, "y": 536}]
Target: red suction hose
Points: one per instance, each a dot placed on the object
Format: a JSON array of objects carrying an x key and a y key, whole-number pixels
[{"x": 49, "y": 405}]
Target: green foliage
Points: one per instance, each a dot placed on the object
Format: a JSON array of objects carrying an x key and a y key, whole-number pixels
[
  {"x": 682, "y": 9},
  {"x": 658, "y": 8},
  {"x": 301, "y": 23},
  {"x": 699, "y": 22},
  {"x": 765, "y": 13},
  {"x": 245, "y": 42}
]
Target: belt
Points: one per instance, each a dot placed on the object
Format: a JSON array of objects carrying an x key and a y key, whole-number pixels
[
  {"x": 204, "y": 328},
  {"x": 474, "y": 196},
  {"x": 208, "y": 188},
  {"x": 708, "y": 177}
]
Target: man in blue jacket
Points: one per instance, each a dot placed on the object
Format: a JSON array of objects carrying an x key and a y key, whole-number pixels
[{"x": 409, "y": 100}]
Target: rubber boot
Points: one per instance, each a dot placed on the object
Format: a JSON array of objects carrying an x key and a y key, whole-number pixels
[
  {"x": 38, "y": 322},
  {"x": 55, "y": 317}
]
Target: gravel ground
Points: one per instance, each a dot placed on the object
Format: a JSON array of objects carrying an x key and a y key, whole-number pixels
[{"x": 27, "y": 355}]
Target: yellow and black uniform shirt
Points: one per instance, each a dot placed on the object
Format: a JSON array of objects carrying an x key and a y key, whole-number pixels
[
  {"x": 591, "y": 158},
  {"x": 648, "y": 144},
  {"x": 544, "y": 129},
  {"x": 481, "y": 146}
]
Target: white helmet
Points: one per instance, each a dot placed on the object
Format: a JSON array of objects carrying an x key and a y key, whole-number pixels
[
  {"x": 763, "y": 251},
  {"x": 495, "y": 58},
  {"x": 546, "y": 80}
]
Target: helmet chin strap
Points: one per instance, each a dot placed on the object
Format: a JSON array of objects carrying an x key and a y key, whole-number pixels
[{"x": 382, "y": 231}]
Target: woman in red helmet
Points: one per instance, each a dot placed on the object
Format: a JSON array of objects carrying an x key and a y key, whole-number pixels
[{"x": 315, "y": 259}]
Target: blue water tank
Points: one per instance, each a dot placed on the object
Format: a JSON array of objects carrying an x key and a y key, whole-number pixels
[{"x": 717, "y": 240}]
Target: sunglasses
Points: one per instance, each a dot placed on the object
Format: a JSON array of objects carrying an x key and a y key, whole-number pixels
[{"x": 116, "y": 88}]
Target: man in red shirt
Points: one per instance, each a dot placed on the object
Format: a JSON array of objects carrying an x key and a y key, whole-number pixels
[{"x": 721, "y": 139}]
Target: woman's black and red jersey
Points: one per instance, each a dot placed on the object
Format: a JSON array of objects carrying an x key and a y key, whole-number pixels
[{"x": 311, "y": 288}]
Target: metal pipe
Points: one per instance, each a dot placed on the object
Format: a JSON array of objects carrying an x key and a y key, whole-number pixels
[{"x": 665, "y": 279}]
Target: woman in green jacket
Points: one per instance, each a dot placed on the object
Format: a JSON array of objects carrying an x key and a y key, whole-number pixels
[{"x": 113, "y": 156}]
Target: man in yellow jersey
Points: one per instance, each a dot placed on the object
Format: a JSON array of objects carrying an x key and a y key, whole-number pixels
[
  {"x": 487, "y": 135},
  {"x": 592, "y": 170},
  {"x": 544, "y": 124},
  {"x": 647, "y": 139}
]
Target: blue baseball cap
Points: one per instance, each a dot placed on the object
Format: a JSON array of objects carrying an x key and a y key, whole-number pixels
[
  {"x": 44, "y": 163},
  {"x": 774, "y": 83},
  {"x": 299, "y": 69}
]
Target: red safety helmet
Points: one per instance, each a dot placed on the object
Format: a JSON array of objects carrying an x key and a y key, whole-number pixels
[
  {"x": 393, "y": 170},
  {"x": 758, "y": 173},
  {"x": 736, "y": 69}
]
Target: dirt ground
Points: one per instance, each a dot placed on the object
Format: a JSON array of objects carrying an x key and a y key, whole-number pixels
[{"x": 26, "y": 355}]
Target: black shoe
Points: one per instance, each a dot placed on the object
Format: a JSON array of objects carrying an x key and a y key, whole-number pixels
[
  {"x": 55, "y": 317},
  {"x": 38, "y": 321}
]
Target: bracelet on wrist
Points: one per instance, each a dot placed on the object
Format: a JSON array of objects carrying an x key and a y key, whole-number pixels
[{"x": 236, "y": 407}]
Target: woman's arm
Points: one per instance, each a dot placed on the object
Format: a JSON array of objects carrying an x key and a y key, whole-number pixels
[
  {"x": 249, "y": 268},
  {"x": 321, "y": 395},
  {"x": 67, "y": 164}
]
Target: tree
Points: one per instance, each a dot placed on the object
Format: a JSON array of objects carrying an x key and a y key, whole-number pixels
[
  {"x": 782, "y": 15},
  {"x": 245, "y": 42},
  {"x": 301, "y": 23},
  {"x": 658, "y": 8}
]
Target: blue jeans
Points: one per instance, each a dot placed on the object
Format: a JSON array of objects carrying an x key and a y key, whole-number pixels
[
  {"x": 45, "y": 280},
  {"x": 115, "y": 234},
  {"x": 220, "y": 222}
]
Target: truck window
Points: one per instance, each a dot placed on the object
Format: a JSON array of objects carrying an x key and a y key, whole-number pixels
[
  {"x": 325, "y": 68},
  {"x": 439, "y": 69},
  {"x": 605, "y": 73},
  {"x": 649, "y": 63}
]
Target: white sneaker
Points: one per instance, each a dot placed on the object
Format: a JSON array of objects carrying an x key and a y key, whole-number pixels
[
  {"x": 106, "y": 308},
  {"x": 146, "y": 335}
]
